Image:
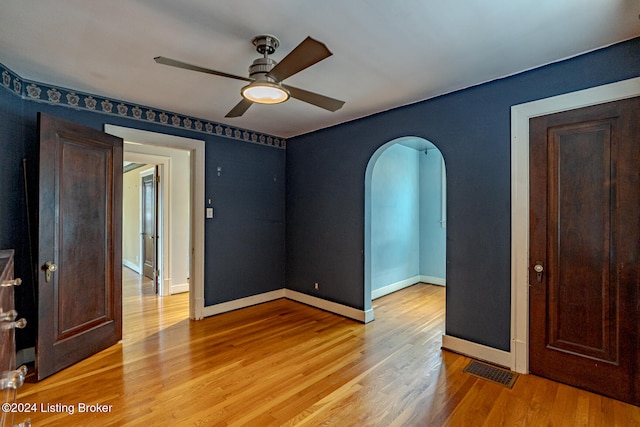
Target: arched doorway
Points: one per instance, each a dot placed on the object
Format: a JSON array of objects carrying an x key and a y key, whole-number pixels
[{"x": 405, "y": 217}]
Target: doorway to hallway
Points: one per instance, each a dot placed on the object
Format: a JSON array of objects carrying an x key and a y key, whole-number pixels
[{"x": 195, "y": 151}]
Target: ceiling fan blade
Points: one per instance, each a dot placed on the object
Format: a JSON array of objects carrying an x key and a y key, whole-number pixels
[
  {"x": 304, "y": 55},
  {"x": 240, "y": 108},
  {"x": 179, "y": 64},
  {"x": 316, "y": 99}
]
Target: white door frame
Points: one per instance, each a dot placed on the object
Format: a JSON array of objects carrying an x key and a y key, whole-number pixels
[
  {"x": 520, "y": 115},
  {"x": 196, "y": 149}
]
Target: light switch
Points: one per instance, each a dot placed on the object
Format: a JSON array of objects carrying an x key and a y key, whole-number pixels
[{"x": 209, "y": 212}]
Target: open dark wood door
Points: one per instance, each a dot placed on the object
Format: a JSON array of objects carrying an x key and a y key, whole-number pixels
[
  {"x": 584, "y": 248},
  {"x": 80, "y": 244}
]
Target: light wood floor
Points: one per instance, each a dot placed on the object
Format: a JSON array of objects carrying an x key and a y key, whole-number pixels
[{"x": 284, "y": 363}]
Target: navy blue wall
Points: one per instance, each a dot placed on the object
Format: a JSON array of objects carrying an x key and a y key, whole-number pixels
[
  {"x": 244, "y": 243},
  {"x": 13, "y": 219},
  {"x": 245, "y": 240},
  {"x": 325, "y": 190}
]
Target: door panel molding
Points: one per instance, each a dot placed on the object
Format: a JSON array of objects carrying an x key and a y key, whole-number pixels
[
  {"x": 594, "y": 145},
  {"x": 520, "y": 115}
]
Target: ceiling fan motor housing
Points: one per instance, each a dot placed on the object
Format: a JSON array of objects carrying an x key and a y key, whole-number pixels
[
  {"x": 260, "y": 67},
  {"x": 265, "y": 44}
]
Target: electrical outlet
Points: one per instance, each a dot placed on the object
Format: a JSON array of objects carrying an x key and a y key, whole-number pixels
[{"x": 316, "y": 286}]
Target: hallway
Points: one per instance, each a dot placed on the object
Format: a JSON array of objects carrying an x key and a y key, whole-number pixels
[{"x": 143, "y": 312}]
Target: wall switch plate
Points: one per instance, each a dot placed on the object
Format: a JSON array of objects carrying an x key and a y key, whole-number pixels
[{"x": 209, "y": 212}]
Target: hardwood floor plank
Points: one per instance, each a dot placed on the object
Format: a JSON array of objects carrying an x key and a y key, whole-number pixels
[{"x": 283, "y": 363}]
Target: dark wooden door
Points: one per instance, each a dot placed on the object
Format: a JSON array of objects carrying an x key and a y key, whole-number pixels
[
  {"x": 80, "y": 244},
  {"x": 585, "y": 237},
  {"x": 149, "y": 227}
]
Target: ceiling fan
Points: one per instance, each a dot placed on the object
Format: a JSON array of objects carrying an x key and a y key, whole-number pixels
[{"x": 266, "y": 75}]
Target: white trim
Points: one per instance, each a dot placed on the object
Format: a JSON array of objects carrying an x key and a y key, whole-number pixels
[
  {"x": 197, "y": 155},
  {"x": 333, "y": 307},
  {"x": 178, "y": 289},
  {"x": 212, "y": 310},
  {"x": 389, "y": 289},
  {"x": 394, "y": 287},
  {"x": 368, "y": 316},
  {"x": 364, "y": 316},
  {"x": 431, "y": 280},
  {"x": 520, "y": 115},
  {"x": 131, "y": 265},
  {"x": 477, "y": 351},
  {"x": 196, "y": 278},
  {"x": 342, "y": 310},
  {"x": 443, "y": 197}
]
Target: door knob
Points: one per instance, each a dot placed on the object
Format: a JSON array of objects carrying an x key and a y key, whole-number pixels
[
  {"x": 15, "y": 282},
  {"x": 49, "y": 268},
  {"x": 538, "y": 268}
]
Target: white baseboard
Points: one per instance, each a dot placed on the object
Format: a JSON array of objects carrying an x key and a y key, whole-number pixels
[
  {"x": 178, "y": 289},
  {"x": 441, "y": 281},
  {"x": 368, "y": 316},
  {"x": 386, "y": 290},
  {"x": 364, "y": 316},
  {"x": 477, "y": 351},
  {"x": 131, "y": 265},
  {"x": 165, "y": 287},
  {"x": 520, "y": 364},
  {"x": 211, "y": 310}
]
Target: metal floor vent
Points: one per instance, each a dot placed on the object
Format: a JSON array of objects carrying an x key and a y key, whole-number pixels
[{"x": 491, "y": 373}]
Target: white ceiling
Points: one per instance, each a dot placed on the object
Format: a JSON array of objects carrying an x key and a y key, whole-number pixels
[{"x": 386, "y": 53}]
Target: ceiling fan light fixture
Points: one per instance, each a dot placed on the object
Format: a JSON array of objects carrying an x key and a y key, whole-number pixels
[{"x": 264, "y": 92}]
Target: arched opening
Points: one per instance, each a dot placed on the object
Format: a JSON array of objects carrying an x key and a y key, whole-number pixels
[{"x": 405, "y": 217}]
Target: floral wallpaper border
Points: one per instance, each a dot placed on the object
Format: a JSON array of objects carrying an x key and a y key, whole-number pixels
[{"x": 40, "y": 92}]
